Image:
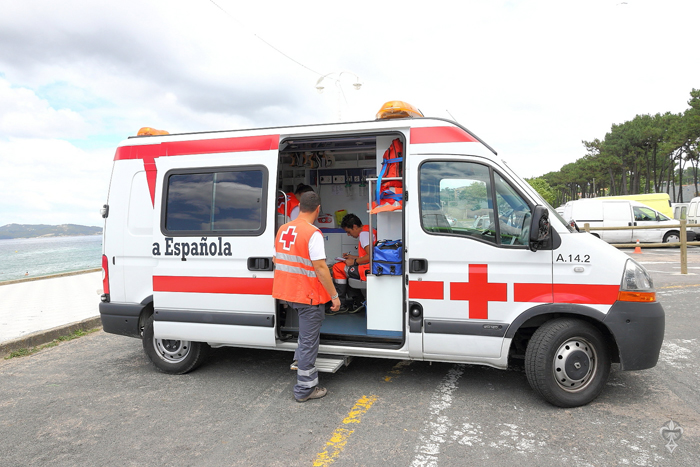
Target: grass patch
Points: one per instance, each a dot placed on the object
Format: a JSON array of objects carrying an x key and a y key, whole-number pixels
[{"x": 53, "y": 343}]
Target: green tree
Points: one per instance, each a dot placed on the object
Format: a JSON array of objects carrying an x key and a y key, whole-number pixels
[{"x": 542, "y": 187}]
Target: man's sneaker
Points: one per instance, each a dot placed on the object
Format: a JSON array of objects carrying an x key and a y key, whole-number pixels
[
  {"x": 316, "y": 394},
  {"x": 294, "y": 366}
]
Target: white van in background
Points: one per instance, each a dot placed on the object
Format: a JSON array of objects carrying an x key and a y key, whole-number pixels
[
  {"x": 680, "y": 210},
  {"x": 623, "y": 213},
  {"x": 694, "y": 214}
]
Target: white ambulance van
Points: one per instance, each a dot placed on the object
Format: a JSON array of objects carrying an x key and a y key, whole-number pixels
[
  {"x": 606, "y": 212},
  {"x": 189, "y": 234},
  {"x": 694, "y": 214}
]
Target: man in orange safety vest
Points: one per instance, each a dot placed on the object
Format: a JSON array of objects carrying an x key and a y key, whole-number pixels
[
  {"x": 354, "y": 228},
  {"x": 303, "y": 280}
]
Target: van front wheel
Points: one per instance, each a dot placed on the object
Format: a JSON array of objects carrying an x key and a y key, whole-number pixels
[
  {"x": 672, "y": 237},
  {"x": 567, "y": 362},
  {"x": 172, "y": 356}
]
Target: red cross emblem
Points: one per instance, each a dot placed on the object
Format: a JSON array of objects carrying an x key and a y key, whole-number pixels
[
  {"x": 479, "y": 291},
  {"x": 288, "y": 238}
]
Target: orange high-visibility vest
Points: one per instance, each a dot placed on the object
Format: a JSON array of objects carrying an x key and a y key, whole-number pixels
[
  {"x": 295, "y": 278},
  {"x": 363, "y": 269},
  {"x": 389, "y": 193},
  {"x": 361, "y": 251},
  {"x": 292, "y": 202}
]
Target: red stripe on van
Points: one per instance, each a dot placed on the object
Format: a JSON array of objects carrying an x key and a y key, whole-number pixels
[
  {"x": 532, "y": 293},
  {"x": 226, "y": 285},
  {"x": 426, "y": 289},
  {"x": 592, "y": 294},
  {"x": 201, "y": 146},
  {"x": 440, "y": 134},
  {"x": 150, "y": 152}
]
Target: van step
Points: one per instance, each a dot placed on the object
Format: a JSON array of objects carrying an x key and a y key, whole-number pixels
[{"x": 331, "y": 364}]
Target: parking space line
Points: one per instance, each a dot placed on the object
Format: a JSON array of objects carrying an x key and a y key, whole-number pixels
[
  {"x": 436, "y": 427},
  {"x": 340, "y": 436}
]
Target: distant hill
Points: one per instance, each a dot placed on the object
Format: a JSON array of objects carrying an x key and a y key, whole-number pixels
[{"x": 42, "y": 230}]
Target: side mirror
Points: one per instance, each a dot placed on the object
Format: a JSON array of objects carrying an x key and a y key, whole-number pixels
[{"x": 539, "y": 228}]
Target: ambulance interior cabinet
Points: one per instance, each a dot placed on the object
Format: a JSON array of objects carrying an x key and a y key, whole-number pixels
[{"x": 384, "y": 305}]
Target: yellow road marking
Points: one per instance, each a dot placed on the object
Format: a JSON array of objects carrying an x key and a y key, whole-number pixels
[
  {"x": 679, "y": 286},
  {"x": 341, "y": 435},
  {"x": 396, "y": 371}
]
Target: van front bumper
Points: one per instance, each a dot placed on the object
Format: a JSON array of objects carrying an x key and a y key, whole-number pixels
[
  {"x": 121, "y": 318},
  {"x": 638, "y": 329}
]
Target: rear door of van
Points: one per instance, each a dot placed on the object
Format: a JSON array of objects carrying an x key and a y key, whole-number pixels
[
  {"x": 213, "y": 240},
  {"x": 694, "y": 214}
]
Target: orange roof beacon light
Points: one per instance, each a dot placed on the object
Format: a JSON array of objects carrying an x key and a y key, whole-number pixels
[
  {"x": 398, "y": 109},
  {"x": 148, "y": 131}
]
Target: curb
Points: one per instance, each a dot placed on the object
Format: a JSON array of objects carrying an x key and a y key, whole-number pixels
[
  {"x": 50, "y": 276},
  {"x": 44, "y": 337}
]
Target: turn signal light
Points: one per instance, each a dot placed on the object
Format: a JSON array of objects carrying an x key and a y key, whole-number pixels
[
  {"x": 398, "y": 109},
  {"x": 148, "y": 131},
  {"x": 627, "y": 296}
]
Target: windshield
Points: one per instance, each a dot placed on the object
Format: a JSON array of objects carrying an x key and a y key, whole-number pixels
[{"x": 541, "y": 200}]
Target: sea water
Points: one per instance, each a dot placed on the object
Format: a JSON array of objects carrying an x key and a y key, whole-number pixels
[{"x": 32, "y": 257}]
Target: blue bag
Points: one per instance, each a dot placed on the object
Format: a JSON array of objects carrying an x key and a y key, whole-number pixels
[{"x": 388, "y": 258}]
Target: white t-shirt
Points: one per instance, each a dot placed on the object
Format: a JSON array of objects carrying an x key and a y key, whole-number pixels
[
  {"x": 364, "y": 239},
  {"x": 294, "y": 214},
  {"x": 317, "y": 249}
]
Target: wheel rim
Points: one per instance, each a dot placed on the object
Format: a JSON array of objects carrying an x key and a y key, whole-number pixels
[
  {"x": 673, "y": 239},
  {"x": 575, "y": 364},
  {"x": 171, "y": 351}
]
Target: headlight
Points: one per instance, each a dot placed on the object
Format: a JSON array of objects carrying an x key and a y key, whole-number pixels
[{"x": 637, "y": 285}]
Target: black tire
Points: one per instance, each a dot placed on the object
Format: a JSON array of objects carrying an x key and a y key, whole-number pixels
[
  {"x": 172, "y": 356},
  {"x": 584, "y": 362},
  {"x": 672, "y": 236}
]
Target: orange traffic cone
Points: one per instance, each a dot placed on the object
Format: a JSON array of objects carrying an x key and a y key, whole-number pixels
[{"x": 637, "y": 249}]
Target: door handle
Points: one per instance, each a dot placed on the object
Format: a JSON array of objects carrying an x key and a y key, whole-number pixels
[
  {"x": 418, "y": 265},
  {"x": 260, "y": 264}
]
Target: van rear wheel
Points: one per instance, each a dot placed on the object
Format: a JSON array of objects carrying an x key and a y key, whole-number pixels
[
  {"x": 172, "y": 356},
  {"x": 567, "y": 362}
]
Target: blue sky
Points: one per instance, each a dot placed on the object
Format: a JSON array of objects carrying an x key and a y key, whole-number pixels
[{"x": 532, "y": 78}]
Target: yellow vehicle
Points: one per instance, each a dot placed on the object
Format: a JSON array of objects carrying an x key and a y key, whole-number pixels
[{"x": 659, "y": 201}]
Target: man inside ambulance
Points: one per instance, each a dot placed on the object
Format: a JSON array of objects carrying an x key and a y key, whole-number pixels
[
  {"x": 352, "y": 225},
  {"x": 292, "y": 201}
]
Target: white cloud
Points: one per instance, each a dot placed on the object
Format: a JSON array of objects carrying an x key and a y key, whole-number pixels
[
  {"x": 23, "y": 114},
  {"x": 52, "y": 182},
  {"x": 532, "y": 78}
]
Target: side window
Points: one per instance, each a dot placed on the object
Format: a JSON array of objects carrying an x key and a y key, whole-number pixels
[
  {"x": 457, "y": 198},
  {"x": 643, "y": 214},
  {"x": 684, "y": 212},
  {"x": 222, "y": 202},
  {"x": 514, "y": 214}
]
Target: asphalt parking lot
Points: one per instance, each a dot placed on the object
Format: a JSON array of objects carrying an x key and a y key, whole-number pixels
[{"x": 98, "y": 401}]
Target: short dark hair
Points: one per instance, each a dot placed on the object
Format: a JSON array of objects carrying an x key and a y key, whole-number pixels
[
  {"x": 309, "y": 201},
  {"x": 350, "y": 221},
  {"x": 301, "y": 189}
]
